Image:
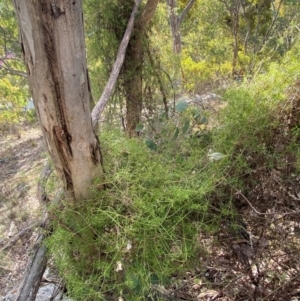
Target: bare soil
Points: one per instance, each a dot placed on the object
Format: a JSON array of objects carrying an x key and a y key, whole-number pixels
[{"x": 22, "y": 156}]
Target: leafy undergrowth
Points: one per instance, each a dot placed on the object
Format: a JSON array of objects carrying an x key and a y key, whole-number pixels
[
  {"x": 140, "y": 230},
  {"x": 197, "y": 217}
]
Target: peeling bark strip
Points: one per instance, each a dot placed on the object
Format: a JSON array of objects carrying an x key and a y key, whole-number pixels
[
  {"x": 64, "y": 156},
  {"x": 56, "y": 73},
  {"x": 54, "y": 52}
]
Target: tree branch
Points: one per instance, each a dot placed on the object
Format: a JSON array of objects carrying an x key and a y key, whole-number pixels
[
  {"x": 20, "y": 235},
  {"x": 14, "y": 72},
  {"x": 6, "y": 67},
  {"x": 148, "y": 13},
  {"x": 35, "y": 269},
  {"x": 267, "y": 35},
  {"x": 185, "y": 11},
  {"x": 98, "y": 109}
]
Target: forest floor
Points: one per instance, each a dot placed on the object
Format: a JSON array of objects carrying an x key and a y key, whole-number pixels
[
  {"x": 260, "y": 260},
  {"x": 22, "y": 156}
]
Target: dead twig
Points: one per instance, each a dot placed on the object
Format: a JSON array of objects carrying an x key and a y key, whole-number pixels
[
  {"x": 280, "y": 287},
  {"x": 20, "y": 235},
  {"x": 265, "y": 213}
]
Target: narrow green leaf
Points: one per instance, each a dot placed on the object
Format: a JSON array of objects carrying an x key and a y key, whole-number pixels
[
  {"x": 197, "y": 115},
  {"x": 176, "y": 133},
  {"x": 185, "y": 127}
]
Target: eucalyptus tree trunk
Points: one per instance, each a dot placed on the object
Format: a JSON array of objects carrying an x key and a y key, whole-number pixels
[
  {"x": 133, "y": 69},
  {"x": 53, "y": 45},
  {"x": 176, "y": 21},
  {"x": 133, "y": 84},
  {"x": 175, "y": 26}
]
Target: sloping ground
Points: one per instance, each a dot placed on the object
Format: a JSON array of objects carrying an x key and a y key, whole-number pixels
[
  {"x": 21, "y": 158},
  {"x": 258, "y": 256},
  {"x": 258, "y": 260}
]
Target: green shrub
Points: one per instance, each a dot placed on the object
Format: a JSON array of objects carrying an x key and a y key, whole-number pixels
[
  {"x": 12, "y": 102},
  {"x": 146, "y": 220},
  {"x": 144, "y": 227}
]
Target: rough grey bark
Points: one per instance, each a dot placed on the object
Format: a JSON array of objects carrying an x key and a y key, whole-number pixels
[{"x": 54, "y": 52}]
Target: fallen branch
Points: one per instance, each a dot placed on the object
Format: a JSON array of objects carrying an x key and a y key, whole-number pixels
[
  {"x": 34, "y": 273},
  {"x": 6, "y": 269},
  {"x": 20, "y": 235},
  {"x": 36, "y": 268}
]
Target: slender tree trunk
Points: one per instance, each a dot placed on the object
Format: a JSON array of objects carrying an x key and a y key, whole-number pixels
[
  {"x": 133, "y": 69},
  {"x": 54, "y": 52},
  {"x": 176, "y": 21},
  {"x": 175, "y": 26},
  {"x": 235, "y": 28},
  {"x": 157, "y": 74},
  {"x": 133, "y": 83}
]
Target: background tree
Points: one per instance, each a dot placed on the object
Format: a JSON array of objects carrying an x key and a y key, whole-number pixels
[
  {"x": 256, "y": 27},
  {"x": 10, "y": 51},
  {"x": 109, "y": 29},
  {"x": 13, "y": 78},
  {"x": 235, "y": 38},
  {"x": 133, "y": 68},
  {"x": 176, "y": 19}
]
